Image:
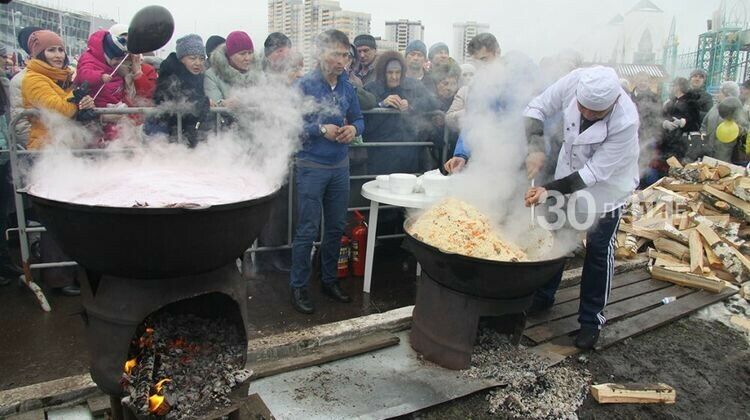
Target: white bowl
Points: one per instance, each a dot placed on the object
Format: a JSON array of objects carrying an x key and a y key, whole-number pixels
[
  {"x": 402, "y": 183},
  {"x": 383, "y": 182},
  {"x": 436, "y": 185}
]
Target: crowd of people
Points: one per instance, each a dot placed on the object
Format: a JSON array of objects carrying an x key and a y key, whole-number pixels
[{"x": 428, "y": 92}]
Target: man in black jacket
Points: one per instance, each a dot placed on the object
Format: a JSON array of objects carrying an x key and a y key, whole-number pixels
[{"x": 698, "y": 86}]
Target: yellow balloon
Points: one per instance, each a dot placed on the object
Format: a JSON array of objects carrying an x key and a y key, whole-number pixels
[{"x": 727, "y": 131}]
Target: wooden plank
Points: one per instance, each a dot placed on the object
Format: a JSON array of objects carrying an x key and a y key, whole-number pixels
[
  {"x": 612, "y": 312},
  {"x": 696, "y": 253},
  {"x": 572, "y": 293},
  {"x": 569, "y": 308},
  {"x": 324, "y": 354},
  {"x": 688, "y": 279},
  {"x": 659, "y": 316},
  {"x": 633, "y": 393}
]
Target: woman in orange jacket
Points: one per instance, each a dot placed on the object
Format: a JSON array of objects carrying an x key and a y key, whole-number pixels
[{"x": 48, "y": 84}]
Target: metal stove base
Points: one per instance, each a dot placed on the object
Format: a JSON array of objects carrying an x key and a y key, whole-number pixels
[{"x": 445, "y": 322}]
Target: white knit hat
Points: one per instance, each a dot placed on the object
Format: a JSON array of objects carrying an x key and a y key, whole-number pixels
[
  {"x": 118, "y": 29},
  {"x": 598, "y": 88}
]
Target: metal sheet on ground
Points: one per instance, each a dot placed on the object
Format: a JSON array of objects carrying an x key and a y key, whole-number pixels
[{"x": 377, "y": 385}]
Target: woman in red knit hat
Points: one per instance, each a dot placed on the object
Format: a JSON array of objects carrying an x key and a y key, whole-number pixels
[{"x": 233, "y": 67}]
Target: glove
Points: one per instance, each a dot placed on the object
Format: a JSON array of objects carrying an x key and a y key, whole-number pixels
[
  {"x": 669, "y": 125},
  {"x": 681, "y": 122}
]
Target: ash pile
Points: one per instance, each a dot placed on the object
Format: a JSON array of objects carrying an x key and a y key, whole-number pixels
[
  {"x": 182, "y": 366},
  {"x": 532, "y": 390}
]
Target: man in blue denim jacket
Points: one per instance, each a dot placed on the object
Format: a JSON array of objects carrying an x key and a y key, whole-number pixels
[{"x": 322, "y": 167}]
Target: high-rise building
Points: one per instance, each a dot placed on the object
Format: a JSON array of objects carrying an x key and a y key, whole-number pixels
[
  {"x": 303, "y": 20},
  {"x": 403, "y": 32},
  {"x": 73, "y": 27},
  {"x": 287, "y": 17},
  {"x": 352, "y": 23},
  {"x": 463, "y": 33}
]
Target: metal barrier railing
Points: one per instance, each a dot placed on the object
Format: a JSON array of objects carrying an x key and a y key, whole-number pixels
[{"x": 15, "y": 150}]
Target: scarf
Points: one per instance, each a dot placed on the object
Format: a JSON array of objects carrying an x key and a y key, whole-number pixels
[{"x": 63, "y": 77}]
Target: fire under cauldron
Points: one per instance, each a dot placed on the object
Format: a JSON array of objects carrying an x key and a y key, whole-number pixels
[
  {"x": 455, "y": 291},
  {"x": 140, "y": 260}
]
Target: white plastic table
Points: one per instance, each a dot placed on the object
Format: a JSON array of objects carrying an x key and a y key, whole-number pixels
[{"x": 376, "y": 195}]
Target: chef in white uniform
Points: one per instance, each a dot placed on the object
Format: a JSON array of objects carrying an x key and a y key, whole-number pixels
[{"x": 598, "y": 169}]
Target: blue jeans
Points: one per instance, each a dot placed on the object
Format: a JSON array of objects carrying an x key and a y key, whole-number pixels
[
  {"x": 598, "y": 270},
  {"x": 319, "y": 189}
]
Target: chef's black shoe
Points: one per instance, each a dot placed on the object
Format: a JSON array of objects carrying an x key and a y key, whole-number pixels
[
  {"x": 301, "y": 300},
  {"x": 587, "y": 338},
  {"x": 334, "y": 291}
]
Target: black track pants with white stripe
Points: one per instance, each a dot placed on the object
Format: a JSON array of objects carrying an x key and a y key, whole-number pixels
[{"x": 598, "y": 269}]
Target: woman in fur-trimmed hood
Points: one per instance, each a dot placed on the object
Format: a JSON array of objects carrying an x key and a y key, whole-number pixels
[{"x": 233, "y": 66}]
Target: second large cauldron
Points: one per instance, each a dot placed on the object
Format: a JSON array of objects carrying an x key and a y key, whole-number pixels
[
  {"x": 480, "y": 277},
  {"x": 151, "y": 243}
]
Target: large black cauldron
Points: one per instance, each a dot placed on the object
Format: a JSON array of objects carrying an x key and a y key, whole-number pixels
[
  {"x": 151, "y": 243},
  {"x": 479, "y": 277}
]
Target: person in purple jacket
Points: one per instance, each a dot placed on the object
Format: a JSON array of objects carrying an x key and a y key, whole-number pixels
[{"x": 322, "y": 178}]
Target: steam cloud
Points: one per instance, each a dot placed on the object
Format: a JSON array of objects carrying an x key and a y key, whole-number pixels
[{"x": 248, "y": 161}]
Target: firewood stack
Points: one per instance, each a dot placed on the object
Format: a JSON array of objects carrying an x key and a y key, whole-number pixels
[{"x": 693, "y": 225}]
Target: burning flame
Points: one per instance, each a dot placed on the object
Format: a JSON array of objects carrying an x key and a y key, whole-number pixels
[
  {"x": 156, "y": 402},
  {"x": 129, "y": 365}
]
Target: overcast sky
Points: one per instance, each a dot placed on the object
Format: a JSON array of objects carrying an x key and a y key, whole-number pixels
[{"x": 537, "y": 27}]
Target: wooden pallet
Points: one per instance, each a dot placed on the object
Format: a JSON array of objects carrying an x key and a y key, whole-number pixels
[{"x": 634, "y": 307}]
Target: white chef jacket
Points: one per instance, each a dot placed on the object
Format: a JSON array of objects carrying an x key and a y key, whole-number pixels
[{"x": 605, "y": 155}]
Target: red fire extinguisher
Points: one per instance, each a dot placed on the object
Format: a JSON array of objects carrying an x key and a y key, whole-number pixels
[
  {"x": 343, "y": 264},
  {"x": 359, "y": 245}
]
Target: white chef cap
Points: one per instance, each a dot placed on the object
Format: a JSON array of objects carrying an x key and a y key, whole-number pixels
[{"x": 598, "y": 88}]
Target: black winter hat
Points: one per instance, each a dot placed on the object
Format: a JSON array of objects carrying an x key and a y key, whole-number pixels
[
  {"x": 23, "y": 37},
  {"x": 275, "y": 41},
  {"x": 212, "y": 42},
  {"x": 365, "y": 40}
]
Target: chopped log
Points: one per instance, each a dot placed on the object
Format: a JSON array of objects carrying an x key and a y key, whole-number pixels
[
  {"x": 718, "y": 220},
  {"x": 723, "y": 170},
  {"x": 671, "y": 197},
  {"x": 745, "y": 291},
  {"x": 672, "y": 247},
  {"x": 673, "y": 162},
  {"x": 677, "y": 267},
  {"x": 672, "y": 233},
  {"x": 666, "y": 259},
  {"x": 633, "y": 393},
  {"x": 733, "y": 263},
  {"x": 714, "y": 261},
  {"x": 650, "y": 235},
  {"x": 696, "y": 253},
  {"x": 713, "y": 162},
  {"x": 721, "y": 205},
  {"x": 721, "y": 274},
  {"x": 741, "y": 322},
  {"x": 741, "y": 188},
  {"x": 712, "y": 285},
  {"x": 684, "y": 187},
  {"x": 688, "y": 173},
  {"x": 738, "y": 207}
]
